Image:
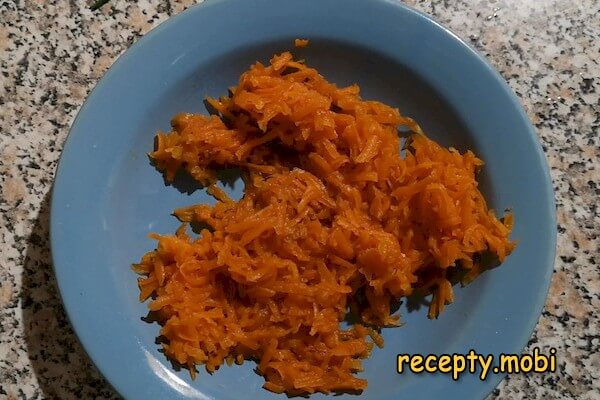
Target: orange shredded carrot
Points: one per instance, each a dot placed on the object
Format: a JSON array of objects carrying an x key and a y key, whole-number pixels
[
  {"x": 334, "y": 219},
  {"x": 301, "y": 42}
]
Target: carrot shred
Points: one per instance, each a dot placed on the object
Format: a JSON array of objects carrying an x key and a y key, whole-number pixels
[
  {"x": 301, "y": 42},
  {"x": 333, "y": 219}
]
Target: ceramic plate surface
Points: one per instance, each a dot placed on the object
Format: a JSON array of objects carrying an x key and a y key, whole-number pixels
[{"x": 107, "y": 197}]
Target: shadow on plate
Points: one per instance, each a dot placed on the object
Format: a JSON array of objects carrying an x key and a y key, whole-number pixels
[{"x": 63, "y": 369}]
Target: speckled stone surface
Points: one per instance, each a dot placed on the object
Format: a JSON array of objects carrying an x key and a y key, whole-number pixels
[{"x": 52, "y": 53}]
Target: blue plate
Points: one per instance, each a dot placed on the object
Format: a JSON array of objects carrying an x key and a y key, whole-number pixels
[{"x": 107, "y": 197}]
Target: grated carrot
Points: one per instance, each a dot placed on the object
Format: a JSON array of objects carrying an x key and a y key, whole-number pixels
[
  {"x": 301, "y": 42},
  {"x": 333, "y": 220}
]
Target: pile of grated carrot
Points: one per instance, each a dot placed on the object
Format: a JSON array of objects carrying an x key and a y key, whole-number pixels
[{"x": 334, "y": 220}]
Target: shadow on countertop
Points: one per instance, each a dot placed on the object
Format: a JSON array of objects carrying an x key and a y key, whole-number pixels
[{"x": 63, "y": 369}]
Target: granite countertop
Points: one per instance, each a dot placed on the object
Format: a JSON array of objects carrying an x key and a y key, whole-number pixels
[{"x": 52, "y": 53}]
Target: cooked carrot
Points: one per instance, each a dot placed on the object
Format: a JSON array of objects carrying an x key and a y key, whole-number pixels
[
  {"x": 333, "y": 219},
  {"x": 301, "y": 42}
]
